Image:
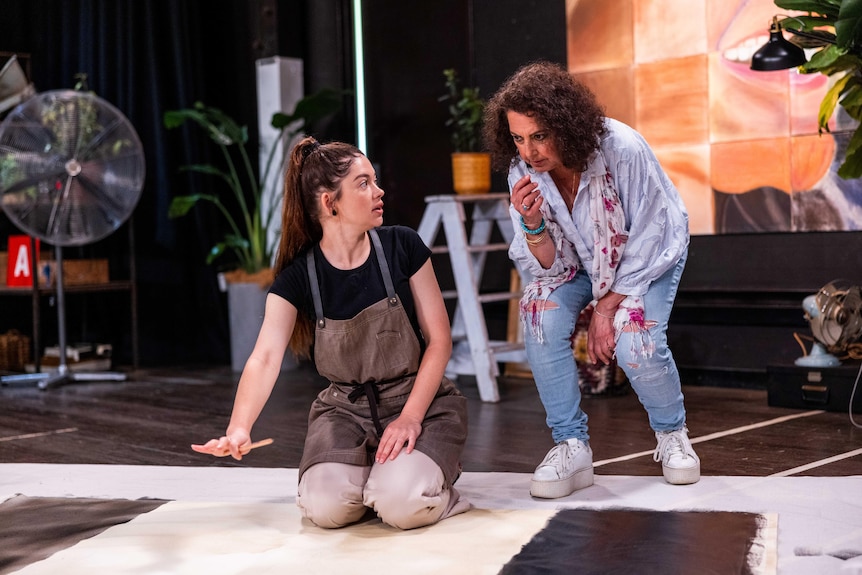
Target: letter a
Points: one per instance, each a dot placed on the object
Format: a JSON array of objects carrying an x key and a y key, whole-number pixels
[{"x": 22, "y": 262}]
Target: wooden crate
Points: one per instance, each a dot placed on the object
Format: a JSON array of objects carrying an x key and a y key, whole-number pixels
[
  {"x": 14, "y": 351},
  {"x": 75, "y": 272}
]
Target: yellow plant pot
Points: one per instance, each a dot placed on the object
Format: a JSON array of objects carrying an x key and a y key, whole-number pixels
[{"x": 471, "y": 173}]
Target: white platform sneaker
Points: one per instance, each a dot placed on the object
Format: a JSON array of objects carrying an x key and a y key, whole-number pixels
[
  {"x": 567, "y": 467},
  {"x": 680, "y": 465}
]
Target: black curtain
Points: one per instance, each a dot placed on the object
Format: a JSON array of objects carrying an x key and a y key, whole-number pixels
[{"x": 146, "y": 57}]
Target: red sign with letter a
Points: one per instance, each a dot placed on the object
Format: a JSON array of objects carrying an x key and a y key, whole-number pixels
[{"x": 20, "y": 265}]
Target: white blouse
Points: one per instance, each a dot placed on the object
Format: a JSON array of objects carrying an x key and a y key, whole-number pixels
[{"x": 655, "y": 217}]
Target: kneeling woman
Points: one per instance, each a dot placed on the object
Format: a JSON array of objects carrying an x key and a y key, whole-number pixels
[{"x": 388, "y": 432}]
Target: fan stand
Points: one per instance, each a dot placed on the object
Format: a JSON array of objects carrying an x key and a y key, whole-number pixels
[
  {"x": 818, "y": 357},
  {"x": 78, "y": 133},
  {"x": 63, "y": 374}
]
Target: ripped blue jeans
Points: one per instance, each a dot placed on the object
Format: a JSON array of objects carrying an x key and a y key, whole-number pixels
[{"x": 655, "y": 379}]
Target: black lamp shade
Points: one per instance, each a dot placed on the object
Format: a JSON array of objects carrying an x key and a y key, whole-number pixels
[{"x": 777, "y": 54}]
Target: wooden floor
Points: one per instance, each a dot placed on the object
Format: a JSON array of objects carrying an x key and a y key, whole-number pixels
[{"x": 153, "y": 417}]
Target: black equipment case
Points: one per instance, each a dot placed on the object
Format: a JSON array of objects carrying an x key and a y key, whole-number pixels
[{"x": 827, "y": 388}]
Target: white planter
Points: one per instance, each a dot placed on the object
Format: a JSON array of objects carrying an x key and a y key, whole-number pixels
[{"x": 246, "y": 303}]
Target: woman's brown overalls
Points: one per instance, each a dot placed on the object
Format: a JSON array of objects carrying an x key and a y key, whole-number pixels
[{"x": 371, "y": 362}]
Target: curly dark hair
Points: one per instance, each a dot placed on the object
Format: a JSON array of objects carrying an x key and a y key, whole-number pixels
[{"x": 558, "y": 102}]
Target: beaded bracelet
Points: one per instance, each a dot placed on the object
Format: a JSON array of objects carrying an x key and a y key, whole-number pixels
[{"x": 532, "y": 232}]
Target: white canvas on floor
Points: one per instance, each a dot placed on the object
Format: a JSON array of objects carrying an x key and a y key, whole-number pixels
[{"x": 817, "y": 516}]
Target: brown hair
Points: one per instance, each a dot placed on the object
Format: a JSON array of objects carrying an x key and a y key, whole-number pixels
[
  {"x": 558, "y": 102},
  {"x": 313, "y": 168}
]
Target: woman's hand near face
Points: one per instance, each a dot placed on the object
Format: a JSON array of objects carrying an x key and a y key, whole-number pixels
[{"x": 527, "y": 201}]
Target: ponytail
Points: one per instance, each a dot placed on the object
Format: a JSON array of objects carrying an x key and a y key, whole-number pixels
[{"x": 312, "y": 169}]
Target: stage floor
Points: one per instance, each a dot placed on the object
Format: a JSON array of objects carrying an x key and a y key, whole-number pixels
[{"x": 69, "y": 452}]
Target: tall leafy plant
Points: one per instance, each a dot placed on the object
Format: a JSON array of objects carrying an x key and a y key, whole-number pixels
[
  {"x": 249, "y": 211},
  {"x": 465, "y": 113},
  {"x": 834, "y": 29}
]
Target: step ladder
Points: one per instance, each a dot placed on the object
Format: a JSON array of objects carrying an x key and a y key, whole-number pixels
[{"x": 472, "y": 352}]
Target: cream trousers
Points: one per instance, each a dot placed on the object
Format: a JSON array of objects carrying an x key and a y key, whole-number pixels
[{"x": 405, "y": 493}]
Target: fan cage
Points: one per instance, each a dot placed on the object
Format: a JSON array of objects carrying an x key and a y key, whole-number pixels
[
  {"x": 839, "y": 320},
  {"x": 71, "y": 167}
]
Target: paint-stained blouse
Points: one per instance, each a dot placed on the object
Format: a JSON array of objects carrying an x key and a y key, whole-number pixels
[{"x": 655, "y": 216}]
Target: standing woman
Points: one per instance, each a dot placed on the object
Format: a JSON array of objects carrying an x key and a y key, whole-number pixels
[
  {"x": 388, "y": 432},
  {"x": 596, "y": 222}
]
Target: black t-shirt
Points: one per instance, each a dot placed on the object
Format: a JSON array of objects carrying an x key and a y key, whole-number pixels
[{"x": 345, "y": 293}]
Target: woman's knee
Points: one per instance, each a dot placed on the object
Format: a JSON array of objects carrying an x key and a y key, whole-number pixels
[
  {"x": 330, "y": 494},
  {"x": 407, "y": 492}
]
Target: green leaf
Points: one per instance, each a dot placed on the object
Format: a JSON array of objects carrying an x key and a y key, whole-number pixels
[
  {"x": 826, "y": 7},
  {"x": 813, "y": 39},
  {"x": 851, "y": 100},
  {"x": 215, "y": 252},
  {"x": 851, "y": 168},
  {"x": 848, "y": 26},
  {"x": 311, "y": 109},
  {"x": 830, "y": 100},
  {"x": 844, "y": 63},
  {"x": 806, "y": 22},
  {"x": 204, "y": 169},
  {"x": 235, "y": 241},
  {"x": 175, "y": 118},
  {"x": 224, "y": 129},
  {"x": 852, "y": 97},
  {"x": 181, "y": 205},
  {"x": 823, "y": 60}
]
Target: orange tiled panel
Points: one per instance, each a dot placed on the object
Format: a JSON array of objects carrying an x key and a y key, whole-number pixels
[
  {"x": 719, "y": 14},
  {"x": 810, "y": 157},
  {"x": 671, "y": 101},
  {"x": 746, "y": 105},
  {"x": 599, "y": 34},
  {"x": 669, "y": 29},
  {"x": 688, "y": 169},
  {"x": 739, "y": 167},
  {"x": 739, "y": 25},
  {"x": 615, "y": 91},
  {"x": 645, "y": 61}
]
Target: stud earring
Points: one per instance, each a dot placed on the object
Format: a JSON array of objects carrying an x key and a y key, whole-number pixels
[{"x": 334, "y": 213}]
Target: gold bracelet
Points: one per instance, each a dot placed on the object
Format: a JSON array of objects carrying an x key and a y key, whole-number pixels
[
  {"x": 595, "y": 309},
  {"x": 535, "y": 242}
]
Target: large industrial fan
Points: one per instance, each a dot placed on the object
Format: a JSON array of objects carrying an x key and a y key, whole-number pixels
[
  {"x": 835, "y": 316},
  {"x": 71, "y": 173}
]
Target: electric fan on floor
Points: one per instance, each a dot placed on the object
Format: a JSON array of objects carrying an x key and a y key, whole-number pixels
[
  {"x": 835, "y": 316},
  {"x": 71, "y": 172}
]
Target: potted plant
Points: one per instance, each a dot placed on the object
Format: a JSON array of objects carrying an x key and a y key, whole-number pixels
[
  {"x": 471, "y": 167},
  {"x": 250, "y": 210},
  {"x": 832, "y": 27}
]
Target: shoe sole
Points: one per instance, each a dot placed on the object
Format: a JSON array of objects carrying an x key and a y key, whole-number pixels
[
  {"x": 681, "y": 476},
  {"x": 562, "y": 487}
]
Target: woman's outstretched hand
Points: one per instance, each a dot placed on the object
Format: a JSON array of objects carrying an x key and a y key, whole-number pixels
[{"x": 236, "y": 445}]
